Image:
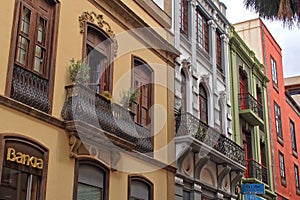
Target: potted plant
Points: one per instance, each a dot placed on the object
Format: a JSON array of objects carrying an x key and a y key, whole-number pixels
[
  {"x": 129, "y": 96},
  {"x": 79, "y": 72}
]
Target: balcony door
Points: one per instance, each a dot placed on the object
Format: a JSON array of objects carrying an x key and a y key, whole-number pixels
[
  {"x": 248, "y": 151},
  {"x": 243, "y": 88}
]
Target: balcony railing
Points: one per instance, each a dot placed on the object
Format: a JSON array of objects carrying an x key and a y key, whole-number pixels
[
  {"x": 30, "y": 89},
  {"x": 256, "y": 170},
  {"x": 187, "y": 124},
  {"x": 85, "y": 105},
  {"x": 247, "y": 101}
]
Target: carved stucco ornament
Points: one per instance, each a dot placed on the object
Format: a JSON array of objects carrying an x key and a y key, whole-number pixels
[{"x": 98, "y": 20}]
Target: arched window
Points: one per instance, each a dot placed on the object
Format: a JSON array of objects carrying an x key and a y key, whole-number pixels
[
  {"x": 183, "y": 92},
  {"x": 203, "y": 104},
  {"x": 99, "y": 59},
  {"x": 92, "y": 181},
  {"x": 23, "y": 169},
  {"x": 243, "y": 88},
  {"x": 140, "y": 188},
  {"x": 142, "y": 82},
  {"x": 221, "y": 113}
]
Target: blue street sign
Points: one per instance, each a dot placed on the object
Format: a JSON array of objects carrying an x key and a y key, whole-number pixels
[
  {"x": 253, "y": 188},
  {"x": 252, "y": 197}
]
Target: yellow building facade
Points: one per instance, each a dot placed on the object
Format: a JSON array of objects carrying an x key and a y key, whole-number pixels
[{"x": 106, "y": 134}]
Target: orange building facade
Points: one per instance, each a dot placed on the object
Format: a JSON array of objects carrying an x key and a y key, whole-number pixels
[{"x": 284, "y": 115}]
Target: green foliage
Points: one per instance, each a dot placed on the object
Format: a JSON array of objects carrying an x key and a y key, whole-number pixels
[
  {"x": 127, "y": 97},
  {"x": 79, "y": 72},
  {"x": 106, "y": 94}
]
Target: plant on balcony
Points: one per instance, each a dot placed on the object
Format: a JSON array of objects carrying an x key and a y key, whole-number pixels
[
  {"x": 79, "y": 72},
  {"x": 129, "y": 96},
  {"x": 107, "y": 95}
]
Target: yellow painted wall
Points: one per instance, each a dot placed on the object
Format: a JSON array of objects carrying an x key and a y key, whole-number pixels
[
  {"x": 70, "y": 45},
  {"x": 61, "y": 168},
  {"x": 6, "y": 20}
]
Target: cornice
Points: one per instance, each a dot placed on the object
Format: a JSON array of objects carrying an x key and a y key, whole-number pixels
[{"x": 129, "y": 20}]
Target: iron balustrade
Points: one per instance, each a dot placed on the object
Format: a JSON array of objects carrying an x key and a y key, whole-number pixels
[
  {"x": 264, "y": 174},
  {"x": 30, "y": 89},
  {"x": 187, "y": 124},
  {"x": 247, "y": 101},
  {"x": 85, "y": 105},
  {"x": 256, "y": 170}
]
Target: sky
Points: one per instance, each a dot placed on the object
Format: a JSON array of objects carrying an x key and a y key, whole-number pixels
[{"x": 288, "y": 39}]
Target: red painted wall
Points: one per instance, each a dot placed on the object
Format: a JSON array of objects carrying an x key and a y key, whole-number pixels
[{"x": 271, "y": 48}]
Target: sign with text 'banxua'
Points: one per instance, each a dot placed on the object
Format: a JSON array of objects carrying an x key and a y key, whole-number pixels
[{"x": 253, "y": 188}]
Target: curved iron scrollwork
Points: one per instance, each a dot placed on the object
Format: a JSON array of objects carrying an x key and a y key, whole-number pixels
[
  {"x": 84, "y": 104},
  {"x": 30, "y": 89},
  {"x": 187, "y": 124}
]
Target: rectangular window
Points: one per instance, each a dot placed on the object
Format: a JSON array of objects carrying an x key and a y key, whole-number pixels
[
  {"x": 219, "y": 52},
  {"x": 202, "y": 31},
  {"x": 33, "y": 48},
  {"x": 293, "y": 136},
  {"x": 186, "y": 195},
  {"x": 184, "y": 17},
  {"x": 297, "y": 184},
  {"x": 278, "y": 121},
  {"x": 282, "y": 169},
  {"x": 274, "y": 72}
]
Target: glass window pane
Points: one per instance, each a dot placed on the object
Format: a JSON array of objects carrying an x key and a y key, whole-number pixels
[
  {"x": 25, "y": 20},
  {"x": 88, "y": 192},
  {"x": 41, "y": 30},
  {"x": 39, "y": 58},
  {"x": 22, "y": 50}
]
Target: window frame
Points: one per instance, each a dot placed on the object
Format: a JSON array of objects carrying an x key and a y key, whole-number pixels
[
  {"x": 219, "y": 54},
  {"x": 143, "y": 180},
  {"x": 28, "y": 147},
  {"x": 183, "y": 85},
  {"x": 297, "y": 181},
  {"x": 52, "y": 33},
  {"x": 278, "y": 123},
  {"x": 274, "y": 72},
  {"x": 97, "y": 164},
  {"x": 293, "y": 137},
  {"x": 203, "y": 98},
  {"x": 282, "y": 169},
  {"x": 184, "y": 17},
  {"x": 149, "y": 120},
  {"x": 110, "y": 57},
  {"x": 202, "y": 32}
]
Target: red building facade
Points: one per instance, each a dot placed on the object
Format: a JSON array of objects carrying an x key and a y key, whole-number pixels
[{"x": 284, "y": 114}]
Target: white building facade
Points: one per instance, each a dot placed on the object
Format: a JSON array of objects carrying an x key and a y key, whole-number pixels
[{"x": 210, "y": 164}]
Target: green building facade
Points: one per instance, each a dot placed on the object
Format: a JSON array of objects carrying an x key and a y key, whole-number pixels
[{"x": 249, "y": 114}]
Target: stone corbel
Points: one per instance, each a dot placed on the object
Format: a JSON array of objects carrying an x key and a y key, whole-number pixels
[
  {"x": 235, "y": 181},
  {"x": 74, "y": 143},
  {"x": 225, "y": 38},
  {"x": 222, "y": 96},
  {"x": 212, "y": 24},
  {"x": 200, "y": 165},
  {"x": 115, "y": 157},
  {"x": 186, "y": 64},
  {"x": 204, "y": 78},
  {"x": 222, "y": 175},
  {"x": 193, "y": 3},
  {"x": 181, "y": 152}
]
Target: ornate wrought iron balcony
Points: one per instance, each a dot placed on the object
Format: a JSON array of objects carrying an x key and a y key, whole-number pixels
[
  {"x": 250, "y": 109},
  {"x": 188, "y": 125},
  {"x": 256, "y": 170},
  {"x": 85, "y": 105},
  {"x": 30, "y": 89}
]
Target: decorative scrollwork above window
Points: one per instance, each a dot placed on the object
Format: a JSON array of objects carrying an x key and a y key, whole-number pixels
[{"x": 98, "y": 20}]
